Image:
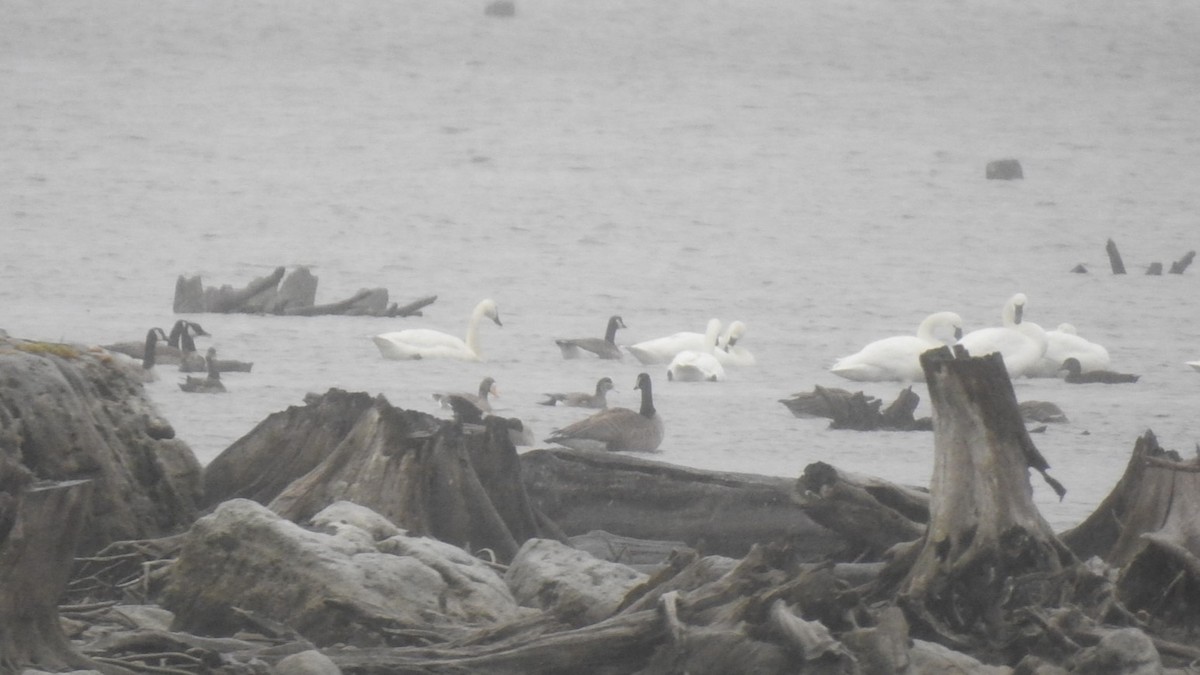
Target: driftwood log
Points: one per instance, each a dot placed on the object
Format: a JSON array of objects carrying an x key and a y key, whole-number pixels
[
  {"x": 871, "y": 514},
  {"x": 715, "y": 512},
  {"x": 1114, "y": 257},
  {"x": 288, "y": 294}
]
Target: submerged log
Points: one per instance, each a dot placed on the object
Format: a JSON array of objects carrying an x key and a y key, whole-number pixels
[
  {"x": 714, "y": 512},
  {"x": 858, "y": 411},
  {"x": 1004, "y": 169},
  {"x": 984, "y": 528},
  {"x": 293, "y": 295}
]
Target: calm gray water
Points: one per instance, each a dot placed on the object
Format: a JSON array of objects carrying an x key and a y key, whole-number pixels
[{"x": 813, "y": 169}]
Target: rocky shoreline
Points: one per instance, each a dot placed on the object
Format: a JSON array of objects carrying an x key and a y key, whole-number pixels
[{"x": 345, "y": 535}]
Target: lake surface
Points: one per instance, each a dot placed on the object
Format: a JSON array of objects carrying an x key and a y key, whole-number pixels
[{"x": 813, "y": 169}]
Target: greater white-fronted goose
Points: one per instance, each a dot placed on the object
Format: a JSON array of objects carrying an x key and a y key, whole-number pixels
[
  {"x": 581, "y": 399},
  {"x": 605, "y": 348}
]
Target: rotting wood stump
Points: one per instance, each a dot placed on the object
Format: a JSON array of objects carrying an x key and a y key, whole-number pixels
[
  {"x": 36, "y": 555},
  {"x": 984, "y": 529}
]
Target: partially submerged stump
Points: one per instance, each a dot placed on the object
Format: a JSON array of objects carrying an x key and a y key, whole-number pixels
[
  {"x": 984, "y": 528},
  {"x": 1182, "y": 264},
  {"x": 1004, "y": 169},
  {"x": 293, "y": 294},
  {"x": 1114, "y": 257},
  {"x": 858, "y": 411}
]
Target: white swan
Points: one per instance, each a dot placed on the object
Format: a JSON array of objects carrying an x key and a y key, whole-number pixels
[
  {"x": 663, "y": 349},
  {"x": 424, "y": 343},
  {"x": 1065, "y": 343},
  {"x": 699, "y": 365},
  {"x": 729, "y": 352},
  {"x": 898, "y": 358},
  {"x": 1021, "y": 343}
]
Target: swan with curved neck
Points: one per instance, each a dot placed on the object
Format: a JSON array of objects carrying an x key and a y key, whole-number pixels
[
  {"x": 425, "y": 343},
  {"x": 617, "y": 429},
  {"x": 699, "y": 365},
  {"x": 605, "y": 348},
  {"x": 898, "y": 358},
  {"x": 729, "y": 352},
  {"x": 1021, "y": 343},
  {"x": 663, "y": 349}
]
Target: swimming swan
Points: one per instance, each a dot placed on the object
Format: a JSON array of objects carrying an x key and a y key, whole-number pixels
[
  {"x": 729, "y": 352},
  {"x": 663, "y": 349},
  {"x": 1065, "y": 343},
  {"x": 616, "y": 429},
  {"x": 1021, "y": 343},
  {"x": 581, "y": 399},
  {"x": 605, "y": 348},
  {"x": 898, "y": 358},
  {"x": 424, "y": 343},
  {"x": 699, "y": 365}
]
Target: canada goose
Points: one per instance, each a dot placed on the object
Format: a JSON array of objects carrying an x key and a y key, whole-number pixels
[
  {"x": 617, "y": 429},
  {"x": 486, "y": 387},
  {"x": 605, "y": 348},
  {"x": 582, "y": 399},
  {"x": 899, "y": 357},
  {"x": 211, "y": 383},
  {"x": 699, "y": 365},
  {"x": 1075, "y": 374},
  {"x": 191, "y": 362},
  {"x": 1020, "y": 342},
  {"x": 168, "y": 354},
  {"x": 144, "y": 371},
  {"x": 424, "y": 343}
]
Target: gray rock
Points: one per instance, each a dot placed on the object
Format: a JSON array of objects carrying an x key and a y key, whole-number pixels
[
  {"x": 311, "y": 662},
  {"x": 573, "y": 584},
  {"x": 340, "y": 587},
  {"x": 1126, "y": 651}
]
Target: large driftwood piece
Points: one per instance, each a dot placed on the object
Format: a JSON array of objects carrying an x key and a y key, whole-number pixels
[
  {"x": 716, "y": 512},
  {"x": 1114, "y": 257},
  {"x": 984, "y": 528},
  {"x": 872, "y": 516},
  {"x": 858, "y": 411}
]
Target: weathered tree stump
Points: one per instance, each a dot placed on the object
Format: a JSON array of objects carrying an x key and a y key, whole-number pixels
[
  {"x": 1004, "y": 169},
  {"x": 984, "y": 529},
  {"x": 36, "y": 555},
  {"x": 1114, "y": 257},
  {"x": 857, "y": 411},
  {"x": 1154, "y": 270}
]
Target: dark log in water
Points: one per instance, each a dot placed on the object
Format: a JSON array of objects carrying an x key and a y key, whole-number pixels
[
  {"x": 1114, "y": 257},
  {"x": 293, "y": 294},
  {"x": 857, "y": 411},
  {"x": 1182, "y": 264},
  {"x": 1004, "y": 169}
]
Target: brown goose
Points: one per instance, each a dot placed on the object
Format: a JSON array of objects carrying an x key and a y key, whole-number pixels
[
  {"x": 605, "y": 348},
  {"x": 616, "y": 429},
  {"x": 581, "y": 399}
]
